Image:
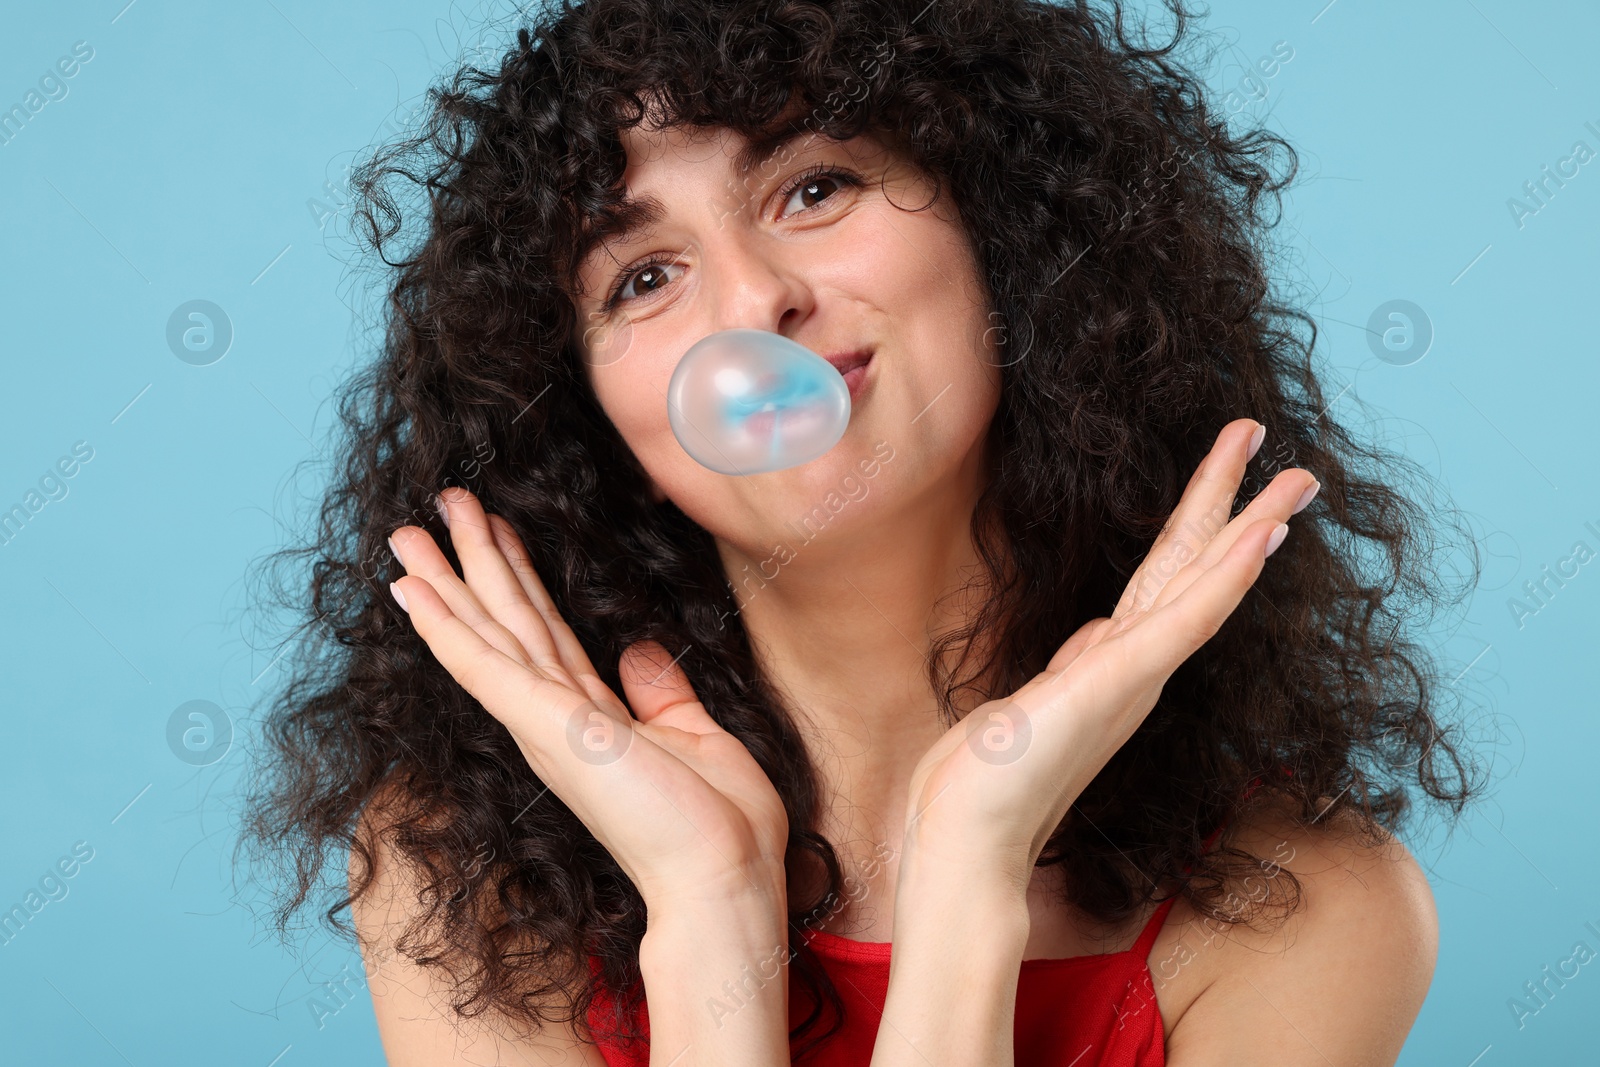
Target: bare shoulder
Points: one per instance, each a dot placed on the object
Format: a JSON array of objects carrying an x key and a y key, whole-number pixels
[
  {"x": 1340, "y": 978},
  {"x": 416, "y": 1023}
]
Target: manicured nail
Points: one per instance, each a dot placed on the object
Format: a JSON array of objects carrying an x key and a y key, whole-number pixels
[
  {"x": 1255, "y": 442},
  {"x": 1306, "y": 497},
  {"x": 1276, "y": 539},
  {"x": 444, "y": 509},
  {"x": 400, "y": 598},
  {"x": 393, "y": 551}
]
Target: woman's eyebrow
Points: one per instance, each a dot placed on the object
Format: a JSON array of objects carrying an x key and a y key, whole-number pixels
[
  {"x": 624, "y": 222},
  {"x": 760, "y": 150}
]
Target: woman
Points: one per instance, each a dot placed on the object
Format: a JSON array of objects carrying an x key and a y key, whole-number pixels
[{"x": 1006, "y": 677}]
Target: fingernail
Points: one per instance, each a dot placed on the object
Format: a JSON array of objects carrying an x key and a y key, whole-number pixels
[
  {"x": 1276, "y": 539},
  {"x": 400, "y": 598},
  {"x": 1306, "y": 497},
  {"x": 393, "y": 551},
  {"x": 1255, "y": 442},
  {"x": 444, "y": 509}
]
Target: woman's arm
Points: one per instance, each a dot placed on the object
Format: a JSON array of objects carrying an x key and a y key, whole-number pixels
[
  {"x": 960, "y": 928},
  {"x": 412, "y": 1002},
  {"x": 686, "y": 959},
  {"x": 686, "y": 811},
  {"x": 985, "y": 799},
  {"x": 1339, "y": 982},
  {"x": 717, "y": 982}
]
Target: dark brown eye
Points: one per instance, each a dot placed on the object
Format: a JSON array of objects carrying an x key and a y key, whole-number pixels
[
  {"x": 816, "y": 188},
  {"x": 648, "y": 276}
]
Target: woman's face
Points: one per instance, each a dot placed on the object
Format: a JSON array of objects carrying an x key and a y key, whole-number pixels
[{"x": 838, "y": 261}]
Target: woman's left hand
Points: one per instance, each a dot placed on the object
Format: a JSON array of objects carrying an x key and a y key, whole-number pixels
[{"x": 997, "y": 785}]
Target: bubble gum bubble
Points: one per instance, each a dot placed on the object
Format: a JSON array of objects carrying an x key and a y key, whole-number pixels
[{"x": 746, "y": 401}]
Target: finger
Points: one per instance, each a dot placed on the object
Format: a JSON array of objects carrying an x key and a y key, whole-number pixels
[
  {"x": 419, "y": 554},
  {"x": 568, "y": 648},
  {"x": 1171, "y": 634},
  {"x": 1281, "y": 499},
  {"x": 492, "y": 580},
  {"x": 533, "y": 708},
  {"x": 653, "y": 683},
  {"x": 1083, "y": 638},
  {"x": 567, "y": 645},
  {"x": 1201, "y": 512}
]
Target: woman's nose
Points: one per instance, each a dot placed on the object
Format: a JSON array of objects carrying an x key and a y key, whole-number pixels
[{"x": 754, "y": 282}]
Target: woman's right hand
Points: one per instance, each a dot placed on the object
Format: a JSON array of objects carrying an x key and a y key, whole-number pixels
[{"x": 679, "y": 802}]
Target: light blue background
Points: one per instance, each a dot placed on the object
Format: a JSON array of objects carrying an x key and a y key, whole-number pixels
[{"x": 180, "y": 166}]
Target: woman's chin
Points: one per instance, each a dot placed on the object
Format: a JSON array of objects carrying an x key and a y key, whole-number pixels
[{"x": 846, "y": 479}]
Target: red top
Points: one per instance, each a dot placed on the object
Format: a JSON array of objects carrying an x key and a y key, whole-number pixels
[{"x": 1079, "y": 1011}]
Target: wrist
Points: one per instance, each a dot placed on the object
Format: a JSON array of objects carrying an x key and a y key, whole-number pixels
[
  {"x": 949, "y": 887},
  {"x": 750, "y": 887},
  {"x": 716, "y": 970},
  {"x": 945, "y": 898},
  {"x": 755, "y": 920},
  {"x": 959, "y": 941},
  {"x": 975, "y": 863},
  {"x": 716, "y": 979}
]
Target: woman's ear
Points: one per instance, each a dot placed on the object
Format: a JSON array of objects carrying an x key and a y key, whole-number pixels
[{"x": 656, "y": 492}]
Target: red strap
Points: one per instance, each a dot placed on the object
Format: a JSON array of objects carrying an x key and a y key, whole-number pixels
[
  {"x": 1147, "y": 936},
  {"x": 1152, "y": 928}
]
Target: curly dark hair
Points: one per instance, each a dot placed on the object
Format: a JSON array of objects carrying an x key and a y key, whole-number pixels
[{"x": 1121, "y": 225}]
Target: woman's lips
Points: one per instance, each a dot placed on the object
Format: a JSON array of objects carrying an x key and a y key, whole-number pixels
[
  {"x": 855, "y": 379},
  {"x": 852, "y": 366}
]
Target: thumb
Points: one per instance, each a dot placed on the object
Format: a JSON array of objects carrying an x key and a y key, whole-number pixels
[
  {"x": 1085, "y": 636},
  {"x": 652, "y": 682}
]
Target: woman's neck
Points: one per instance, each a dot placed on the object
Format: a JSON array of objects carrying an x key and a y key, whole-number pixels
[{"x": 842, "y": 628}]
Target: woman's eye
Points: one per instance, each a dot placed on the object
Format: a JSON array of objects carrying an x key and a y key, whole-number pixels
[
  {"x": 815, "y": 189},
  {"x": 645, "y": 279}
]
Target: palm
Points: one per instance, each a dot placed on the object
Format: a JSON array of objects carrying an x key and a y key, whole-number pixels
[
  {"x": 1005, "y": 775},
  {"x": 677, "y": 800},
  {"x": 687, "y": 796}
]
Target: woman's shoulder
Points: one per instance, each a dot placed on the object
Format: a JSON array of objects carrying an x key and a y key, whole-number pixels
[
  {"x": 1353, "y": 935},
  {"x": 413, "y": 1001}
]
